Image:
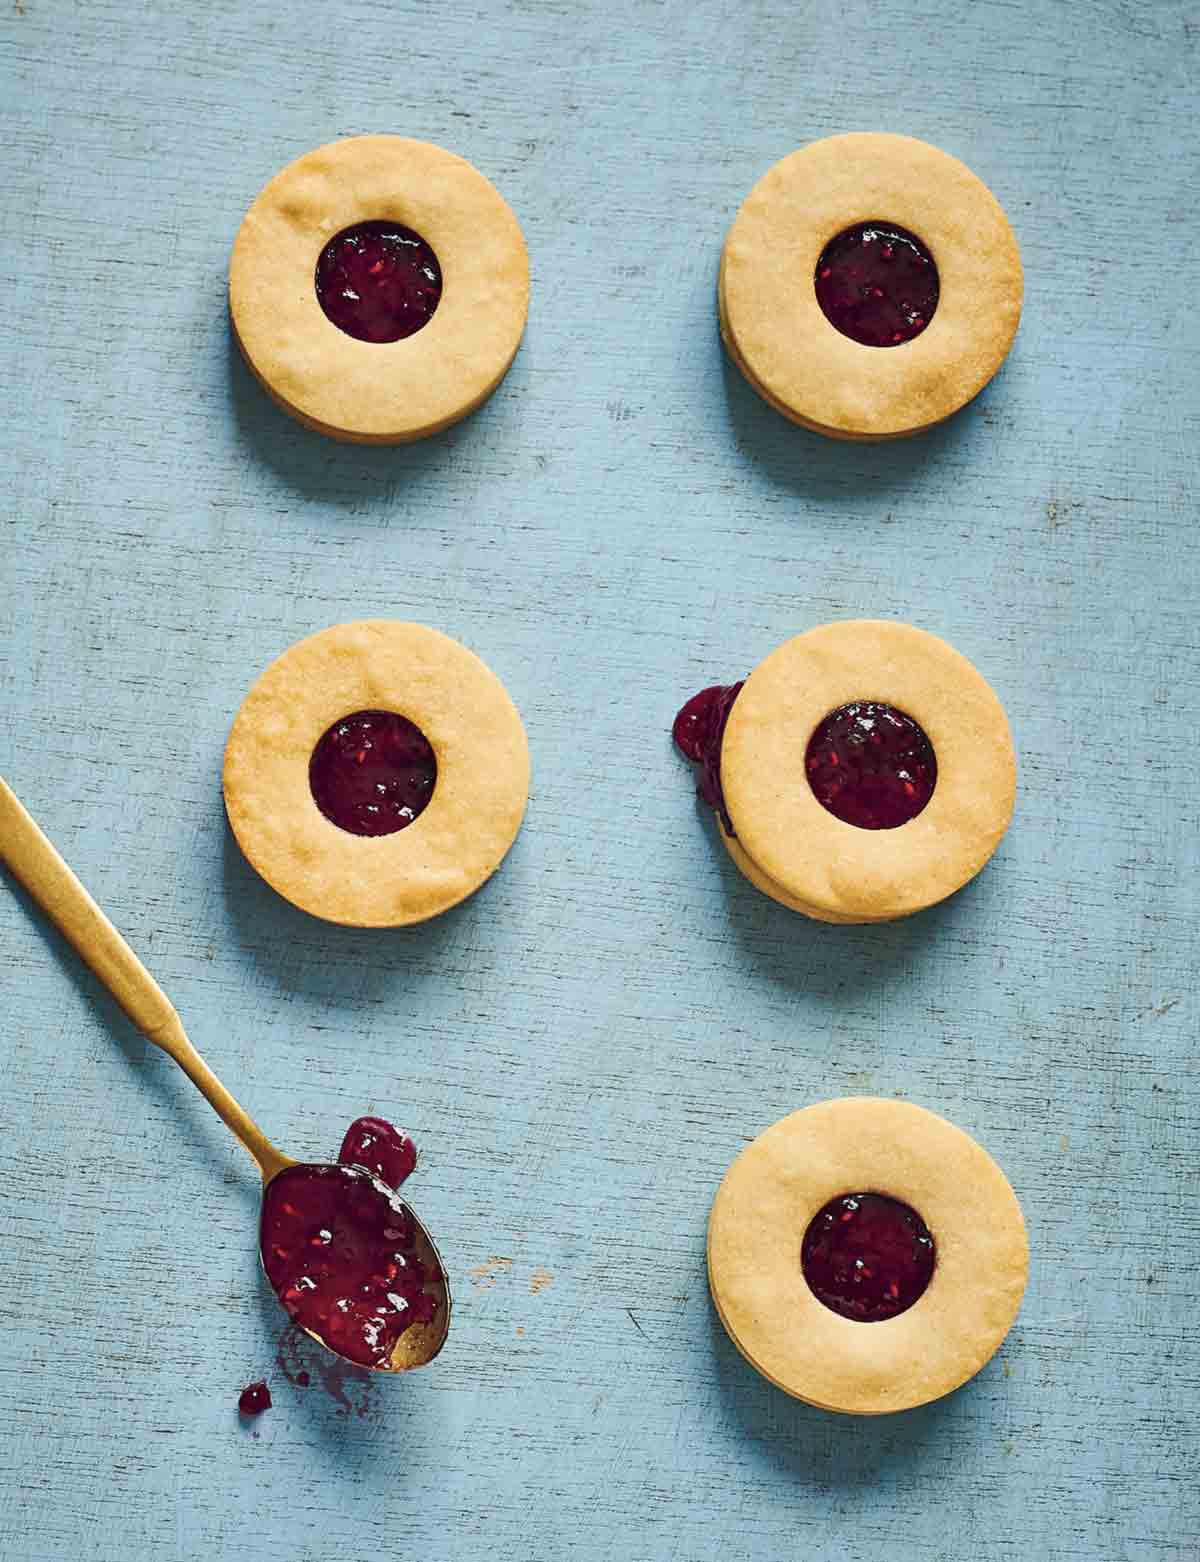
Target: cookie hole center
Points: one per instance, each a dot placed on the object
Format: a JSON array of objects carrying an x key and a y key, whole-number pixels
[
  {"x": 867, "y": 1256},
  {"x": 877, "y": 283},
  {"x": 871, "y": 765},
  {"x": 378, "y": 281},
  {"x": 372, "y": 773}
]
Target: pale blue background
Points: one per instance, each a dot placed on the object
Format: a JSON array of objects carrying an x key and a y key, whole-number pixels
[{"x": 581, "y": 1049}]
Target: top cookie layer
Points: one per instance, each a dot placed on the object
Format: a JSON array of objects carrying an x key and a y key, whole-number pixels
[
  {"x": 775, "y": 327},
  {"x": 379, "y": 392},
  {"x": 865, "y": 1144},
  {"x": 456, "y": 842}
]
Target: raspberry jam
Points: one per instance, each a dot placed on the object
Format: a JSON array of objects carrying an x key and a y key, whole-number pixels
[
  {"x": 254, "y": 1399},
  {"x": 383, "y": 1150},
  {"x": 372, "y": 773},
  {"x": 871, "y": 765},
  {"x": 877, "y": 284},
  {"x": 339, "y": 1245},
  {"x": 339, "y": 1248},
  {"x": 867, "y": 1256},
  {"x": 698, "y": 730},
  {"x": 378, "y": 281}
]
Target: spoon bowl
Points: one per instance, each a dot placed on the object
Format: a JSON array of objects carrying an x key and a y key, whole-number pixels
[
  {"x": 34, "y": 863},
  {"x": 421, "y": 1342},
  {"x": 353, "y": 1266}
]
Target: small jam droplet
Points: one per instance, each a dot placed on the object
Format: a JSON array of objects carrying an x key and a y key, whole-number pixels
[
  {"x": 697, "y": 731},
  {"x": 254, "y": 1399},
  {"x": 871, "y": 765},
  {"x": 378, "y": 281},
  {"x": 372, "y": 773},
  {"x": 867, "y": 1256},
  {"x": 382, "y": 1149},
  {"x": 877, "y": 284}
]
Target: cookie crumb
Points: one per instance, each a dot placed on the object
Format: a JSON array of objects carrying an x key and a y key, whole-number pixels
[{"x": 487, "y": 1273}]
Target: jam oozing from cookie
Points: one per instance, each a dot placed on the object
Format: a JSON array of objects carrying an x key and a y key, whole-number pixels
[
  {"x": 372, "y": 773},
  {"x": 339, "y": 1248},
  {"x": 871, "y": 765},
  {"x": 867, "y": 1256},
  {"x": 378, "y": 281},
  {"x": 383, "y": 1150},
  {"x": 254, "y": 1398},
  {"x": 698, "y": 730},
  {"x": 877, "y": 284}
]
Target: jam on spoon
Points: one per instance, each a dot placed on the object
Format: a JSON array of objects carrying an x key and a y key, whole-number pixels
[
  {"x": 867, "y": 1256},
  {"x": 340, "y": 1247},
  {"x": 385, "y": 1151}
]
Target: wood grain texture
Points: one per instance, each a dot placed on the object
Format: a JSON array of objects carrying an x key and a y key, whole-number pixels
[{"x": 581, "y": 1049}]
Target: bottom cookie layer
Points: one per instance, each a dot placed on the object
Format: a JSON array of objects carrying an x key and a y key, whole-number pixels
[
  {"x": 727, "y": 337},
  {"x": 762, "y": 881},
  {"x": 350, "y": 436}
]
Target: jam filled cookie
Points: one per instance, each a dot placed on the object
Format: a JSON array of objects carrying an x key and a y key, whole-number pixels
[
  {"x": 862, "y": 772},
  {"x": 378, "y": 289},
  {"x": 376, "y": 774},
  {"x": 866, "y": 1255},
  {"x": 870, "y": 286}
]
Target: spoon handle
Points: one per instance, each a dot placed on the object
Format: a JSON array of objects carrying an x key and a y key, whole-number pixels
[{"x": 35, "y": 863}]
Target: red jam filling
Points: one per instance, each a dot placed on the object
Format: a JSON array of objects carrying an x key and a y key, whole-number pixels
[
  {"x": 339, "y": 1248},
  {"x": 698, "y": 730},
  {"x": 867, "y": 1256},
  {"x": 378, "y": 281},
  {"x": 383, "y": 1150},
  {"x": 877, "y": 284},
  {"x": 254, "y": 1399},
  {"x": 372, "y": 773},
  {"x": 871, "y": 765}
]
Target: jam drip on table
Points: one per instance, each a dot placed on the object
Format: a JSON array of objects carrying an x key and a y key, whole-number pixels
[
  {"x": 254, "y": 1398},
  {"x": 383, "y": 1150},
  {"x": 372, "y": 773},
  {"x": 877, "y": 284},
  {"x": 867, "y": 1256},
  {"x": 378, "y": 281},
  {"x": 698, "y": 730},
  {"x": 339, "y": 1247},
  {"x": 871, "y": 765}
]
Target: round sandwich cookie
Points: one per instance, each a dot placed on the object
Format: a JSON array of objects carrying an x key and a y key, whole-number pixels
[
  {"x": 378, "y": 289},
  {"x": 866, "y": 1256},
  {"x": 863, "y": 771},
  {"x": 870, "y": 286},
  {"x": 376, "y": 774}
]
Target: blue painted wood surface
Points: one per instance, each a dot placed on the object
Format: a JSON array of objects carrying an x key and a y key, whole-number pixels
[{"x": 581, "y": 1049}]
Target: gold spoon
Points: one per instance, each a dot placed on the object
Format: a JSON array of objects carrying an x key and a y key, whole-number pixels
[{"x": 35, "y": 863}]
